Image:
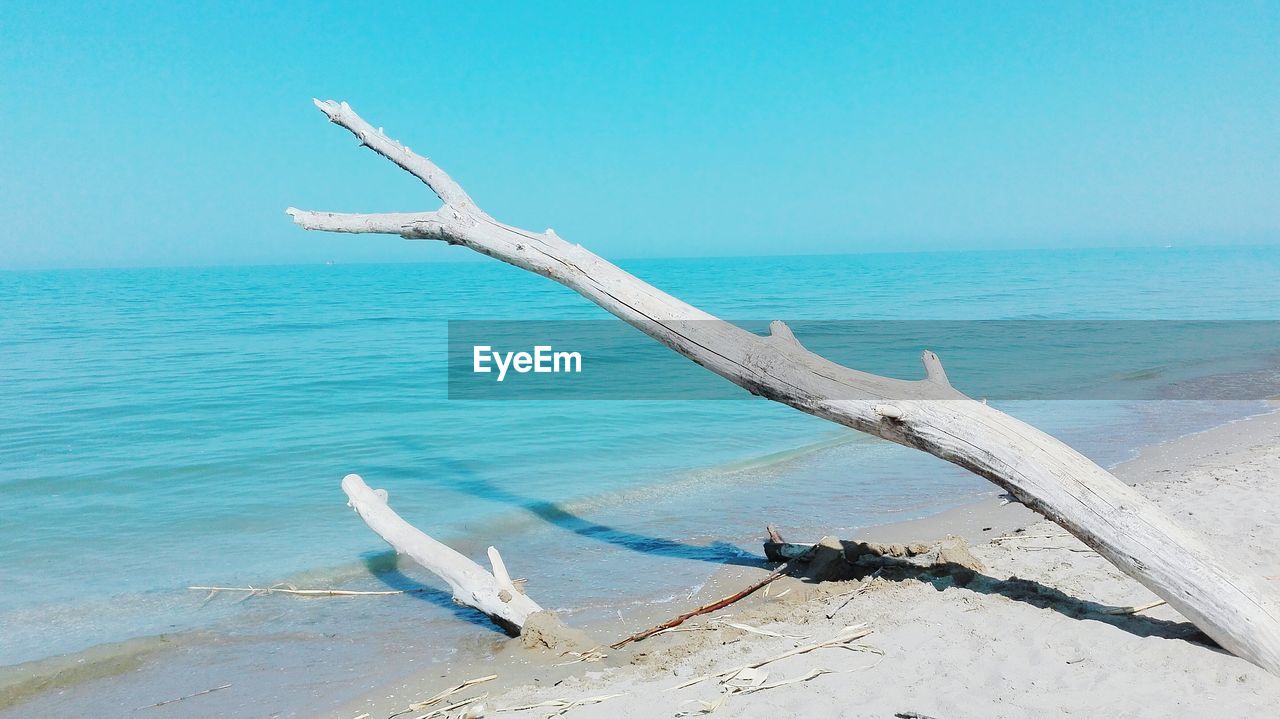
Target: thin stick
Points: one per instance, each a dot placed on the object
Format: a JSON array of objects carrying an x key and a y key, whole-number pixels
[
  {"x": 456, "y": 705},
  {"x": 842, "y": 640},
  {"x": 862, "y": 587},
  {"x": 706, "y": 608},
  {"x": 171, "y": 701},
  {"x": 1135, "y": 609},
  {"x": 811, "y": 674},
  {"x": 444, "y": 695},
  {"x": 309, "y": 592},
  {"x": 561, "y": 705},
  {"x": 1011, "y": 537}
]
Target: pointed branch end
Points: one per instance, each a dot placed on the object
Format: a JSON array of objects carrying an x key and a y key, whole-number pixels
[
  {"x": 779, "y": 331},
  {"x": 933, "y": 368},
  {"x": 500, "y": 571},
  {"x": 330, "y": 108}
]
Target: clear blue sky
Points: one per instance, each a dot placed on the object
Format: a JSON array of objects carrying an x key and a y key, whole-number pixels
[{"x": 147, "y": 134}]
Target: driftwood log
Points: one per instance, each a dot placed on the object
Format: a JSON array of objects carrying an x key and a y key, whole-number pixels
[
  {"x": 1207, "y": 586},
  {"x": 491, "y": 593}
]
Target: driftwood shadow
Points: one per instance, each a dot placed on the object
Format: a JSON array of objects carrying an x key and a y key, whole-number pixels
[
  {"x": 557, "y": 515},
  {"x": 949, "y": 576},
  {"x": 385, "y": 567}
]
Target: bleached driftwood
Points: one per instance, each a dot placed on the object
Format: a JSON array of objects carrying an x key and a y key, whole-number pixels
[
  {"x": 493, "y": 594},
  {"x": 1208, "y": 587}
]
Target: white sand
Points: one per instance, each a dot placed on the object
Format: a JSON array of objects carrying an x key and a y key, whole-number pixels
[{"x": 997, "y": 648}]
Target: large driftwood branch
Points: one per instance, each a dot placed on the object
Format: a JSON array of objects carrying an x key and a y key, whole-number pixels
[
  {"x": 494, "y": 594},
  {"x": 1208, "y": 587}
]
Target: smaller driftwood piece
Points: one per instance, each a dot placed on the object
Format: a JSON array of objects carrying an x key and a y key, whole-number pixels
[
  {"x": 472, "y": 585},
  {"x": 493, "y": 593}
]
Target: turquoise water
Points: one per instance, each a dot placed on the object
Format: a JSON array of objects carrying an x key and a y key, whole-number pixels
[{"x": 167, "y": 427}]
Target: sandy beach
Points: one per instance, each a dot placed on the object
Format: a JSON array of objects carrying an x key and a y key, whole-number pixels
[
  {"x": 458, "y": 360},
  {"x": 1035, "y": 633}
]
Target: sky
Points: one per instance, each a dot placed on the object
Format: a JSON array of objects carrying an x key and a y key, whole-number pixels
[{"x": 148, "y": 134}]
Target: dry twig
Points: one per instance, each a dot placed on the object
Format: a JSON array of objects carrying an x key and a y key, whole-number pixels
[
  {"x": 843, "y": 640},
  {"x": 718, "y": 604},
  {"x": 444, "y": 695},
  {"x": 442, "y": 711},
  {"x": 811, "y": 674},
  {"x": 290, "y": 589},
  {"x": 862, "y": 587},
  {"x": 561, "y": 705},
  {"x": 197, "y": 694},
  {"x": 1135, "y": 609},
  {"x": 1011, "y": 537},
  {"x": 591, "y": 655}
]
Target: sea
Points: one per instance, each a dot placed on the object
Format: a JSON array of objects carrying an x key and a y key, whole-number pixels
[{"x": 168, "y": 428}]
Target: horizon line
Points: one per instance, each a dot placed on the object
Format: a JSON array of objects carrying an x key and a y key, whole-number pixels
[{"x": 480, "y": 260}]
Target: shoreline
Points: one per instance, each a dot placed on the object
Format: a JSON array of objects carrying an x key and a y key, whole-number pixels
[
  {"x": 484, "y": 652},
  {"x": 522, "y": 674}
]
